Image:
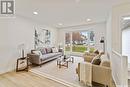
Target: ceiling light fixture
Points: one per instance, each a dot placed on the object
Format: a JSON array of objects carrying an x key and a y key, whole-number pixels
[
  {"x": 60, "y": 24},
  {"x": 35, "y": 13},
  {"x": 126, "y": 18},
  {"x": 88, "y": 20}
]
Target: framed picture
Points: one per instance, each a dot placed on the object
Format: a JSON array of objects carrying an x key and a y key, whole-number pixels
[{"x": 42, "y": 38}]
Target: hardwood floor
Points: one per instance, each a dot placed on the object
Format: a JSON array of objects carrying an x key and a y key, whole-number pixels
[{"x": 26, "y": 79}]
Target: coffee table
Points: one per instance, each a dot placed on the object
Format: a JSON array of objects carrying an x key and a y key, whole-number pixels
[{"x": 63, "y": 61}]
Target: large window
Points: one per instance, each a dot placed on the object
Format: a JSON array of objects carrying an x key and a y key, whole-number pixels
[
  {"x": 79, "y": 41},
  {"x": 126, "y": 43},
  {"x": 67, "y": 42}
]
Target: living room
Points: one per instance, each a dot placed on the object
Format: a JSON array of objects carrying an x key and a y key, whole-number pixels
[{"x": 76, "y": 28}]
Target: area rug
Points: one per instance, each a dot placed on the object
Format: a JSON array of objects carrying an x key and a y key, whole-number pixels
[{"x": 65, "y": 74}]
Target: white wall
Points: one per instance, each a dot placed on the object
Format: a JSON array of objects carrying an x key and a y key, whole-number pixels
[
  {"x": 13, "y": 32},
  {"x": 117, "y": 13},
  {"x": 114, "y": 42},
  {"x": 98, "y": 28},
  {"x": 120, "y": 69},
  {"x": 109, "y": 36}
]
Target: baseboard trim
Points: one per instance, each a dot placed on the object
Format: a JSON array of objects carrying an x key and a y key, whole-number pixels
[{"x": 68, "y": 84}]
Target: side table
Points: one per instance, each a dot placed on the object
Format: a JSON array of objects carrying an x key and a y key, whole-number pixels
[{"x": 22, "y": 64}]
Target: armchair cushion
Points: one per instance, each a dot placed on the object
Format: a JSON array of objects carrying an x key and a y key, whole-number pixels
[{"x": 105, "y": 63}]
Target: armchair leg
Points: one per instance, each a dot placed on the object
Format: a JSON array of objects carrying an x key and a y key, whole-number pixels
[
  {"x": 79, "y": 79},
  {"x": 106, "y": 86}
]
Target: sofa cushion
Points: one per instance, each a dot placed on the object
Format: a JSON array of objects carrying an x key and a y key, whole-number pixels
[
  {"x": 50, "y": 55},
  {"x": 57, "y": 54}
]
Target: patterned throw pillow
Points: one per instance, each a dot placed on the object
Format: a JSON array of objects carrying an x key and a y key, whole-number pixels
[
  {"x": 96, "y": 61},
  {"x": 49, "y": 50},
  {"x": 96, "y": 51},
  {"x": 43, "y": 51}
]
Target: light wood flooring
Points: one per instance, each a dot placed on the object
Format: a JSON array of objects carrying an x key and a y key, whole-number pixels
[{"x": 26, "y": 79}]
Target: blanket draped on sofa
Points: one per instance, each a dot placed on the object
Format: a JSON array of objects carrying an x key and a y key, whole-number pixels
[{"x": 86, "y": 73}]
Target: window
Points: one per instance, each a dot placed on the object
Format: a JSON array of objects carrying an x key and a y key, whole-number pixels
[
  {"x": 79, "y": 41},
  {"x": 126, "y": 43},
  {"x": 67, "y": 42}
]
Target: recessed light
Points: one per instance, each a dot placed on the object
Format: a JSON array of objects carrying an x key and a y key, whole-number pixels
[
  {"x": 88, "y": 20},
  {"x": 60, "y": 24},
  {"x": 35, "y": 13},
  {"x": 126, "y": 18}
]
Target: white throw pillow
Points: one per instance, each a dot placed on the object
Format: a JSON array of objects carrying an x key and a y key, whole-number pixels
[
  {"x": 37, "y": 52},
  {"x": 54, "y": 50}
]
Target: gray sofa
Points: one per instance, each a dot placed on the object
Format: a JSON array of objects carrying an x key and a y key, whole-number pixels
[{"x": 47, "y": 55}]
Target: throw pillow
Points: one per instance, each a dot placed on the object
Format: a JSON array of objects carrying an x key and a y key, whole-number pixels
[
  {"x": 54, "y": 50},
  {"x": 37, "y": 53},
  {"x": 96, "y": 61},
  {"x": 96, "y": 52},
  {"x": 49, "y": 50},
  {"x": 43, "y": 51}
]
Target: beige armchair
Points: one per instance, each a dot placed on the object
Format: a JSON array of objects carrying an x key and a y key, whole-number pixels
[{"x": 100, "y": 73}]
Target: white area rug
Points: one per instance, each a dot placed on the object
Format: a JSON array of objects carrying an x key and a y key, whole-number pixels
[{"x": 69, "y": 75}]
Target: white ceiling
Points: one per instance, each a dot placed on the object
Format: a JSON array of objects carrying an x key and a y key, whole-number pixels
[{"x": 68, "y": 12}]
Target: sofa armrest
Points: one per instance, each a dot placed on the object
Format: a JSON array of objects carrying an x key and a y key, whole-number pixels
[
  {"x": 34, "y": 58},
  {"x": 101, "y": 74}
]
